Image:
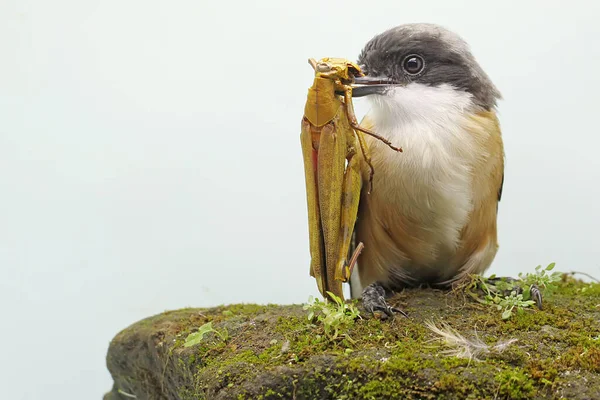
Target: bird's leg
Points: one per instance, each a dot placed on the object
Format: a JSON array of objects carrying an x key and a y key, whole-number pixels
[
  {"x": 373, "y": 300},
  {"x": 514, "y": 284}
]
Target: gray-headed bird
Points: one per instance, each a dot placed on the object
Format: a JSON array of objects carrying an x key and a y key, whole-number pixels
[{"x": 431, "y": 218}]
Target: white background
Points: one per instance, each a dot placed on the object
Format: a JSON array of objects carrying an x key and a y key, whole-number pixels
[{"x": 150, "y": 157}]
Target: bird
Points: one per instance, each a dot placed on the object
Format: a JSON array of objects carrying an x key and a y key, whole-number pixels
[{"x": 431, "y": 217}]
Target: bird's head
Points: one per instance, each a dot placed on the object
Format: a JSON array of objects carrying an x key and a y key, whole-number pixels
[{"x": 417, "y": 69}]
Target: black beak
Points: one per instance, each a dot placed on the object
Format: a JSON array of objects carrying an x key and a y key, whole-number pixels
[{"x": 368, "y": 85}]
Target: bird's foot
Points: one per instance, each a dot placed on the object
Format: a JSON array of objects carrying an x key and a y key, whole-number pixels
[
  {"x": 373, "y": 300},
  {"x": 506, "y": 285},
  {"x": 536, "y": 295}
]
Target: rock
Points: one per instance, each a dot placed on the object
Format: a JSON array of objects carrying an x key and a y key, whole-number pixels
[{"x": 273, "y": 352}]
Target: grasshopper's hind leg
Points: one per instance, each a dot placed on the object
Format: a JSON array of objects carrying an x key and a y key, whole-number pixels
[
  {"x": 331, "y": 160},
  {"x": 350, "y": 199}
]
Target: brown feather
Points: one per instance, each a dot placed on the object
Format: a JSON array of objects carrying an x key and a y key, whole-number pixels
[{"x": 390, "y": 231}]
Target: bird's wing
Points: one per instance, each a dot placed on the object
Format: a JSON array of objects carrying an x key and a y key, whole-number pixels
[{"x": 479, "y": 241}]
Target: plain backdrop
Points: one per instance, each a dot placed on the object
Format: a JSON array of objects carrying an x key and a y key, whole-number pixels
[{"x": 150, "y": 157}]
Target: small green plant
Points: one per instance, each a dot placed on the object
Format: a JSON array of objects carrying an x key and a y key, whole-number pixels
[
  {"x": 542, "y": 277},
  {"x": 196, "y": 337},
  {"x": 509, "y": 296},
  {"x": 515, "y": 300},
  {"x": 334, "y": 315}
]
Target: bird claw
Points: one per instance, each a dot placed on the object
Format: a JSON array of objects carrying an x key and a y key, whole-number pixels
[
  {"x": 536, "y": 295},
  {"x": 373, "y": 300},
  {"x": 395, "y": 310},
  {"x": 381, "y": 307}
]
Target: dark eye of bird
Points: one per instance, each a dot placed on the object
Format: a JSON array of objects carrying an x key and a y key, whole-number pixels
[{"x": 413, "y": 64}]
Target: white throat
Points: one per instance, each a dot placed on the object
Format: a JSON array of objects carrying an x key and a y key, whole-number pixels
[{"x": 418, "y": 103}]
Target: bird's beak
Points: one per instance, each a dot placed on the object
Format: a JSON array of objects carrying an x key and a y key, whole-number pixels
[{"x": 367, "y": 85}]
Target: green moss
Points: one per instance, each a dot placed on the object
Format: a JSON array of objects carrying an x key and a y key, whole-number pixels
[
  {"x": 515, "y": 384},
  {"x": 544, "y": 371},
  {"x": 572, "y": 287},
  {"x": 291, "y": 325},
  {"x": 452, "y": 383},
  {"x": 453, "y": 362},
  {"x": 529, "y": 320},
  {"x": 406, "y": 358},
  {"x": 271, "y": 394},
  {"x": 583, "y": 357},
  {"x": 384, "y": 388},
  {"x": 247, "y": 309}
]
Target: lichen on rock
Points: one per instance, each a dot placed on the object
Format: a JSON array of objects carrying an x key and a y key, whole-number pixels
[{"x": 273, "y": 352}]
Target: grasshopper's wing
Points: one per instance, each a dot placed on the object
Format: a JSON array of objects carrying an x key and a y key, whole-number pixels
[
  {"x": 315, "y": 233},
  {"x": 331, "y": 168},
  {"x": 324, "y": 174}
]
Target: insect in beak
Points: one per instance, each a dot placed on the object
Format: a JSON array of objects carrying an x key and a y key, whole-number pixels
[
  {"x": 367, "y": 85},
  {"x": 335, "y": 153}
]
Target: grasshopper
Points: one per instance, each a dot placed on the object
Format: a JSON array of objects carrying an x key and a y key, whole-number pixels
[{"x": 332, "y": 139}]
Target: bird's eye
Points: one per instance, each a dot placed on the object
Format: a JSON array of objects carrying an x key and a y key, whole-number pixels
[{"x": 413, "y": 64}]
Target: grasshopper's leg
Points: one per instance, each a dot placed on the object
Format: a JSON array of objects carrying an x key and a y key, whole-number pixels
[
  {"x": 350, "y": 200},
  {"x": 354, "y": 122},
  {"x": 331, "y": 163},
  {"x": 317, "y": 254},
  {"x": 365, "y": 152}
]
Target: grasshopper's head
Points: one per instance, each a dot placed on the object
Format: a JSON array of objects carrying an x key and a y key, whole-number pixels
[{"x": 337, "y": 69}]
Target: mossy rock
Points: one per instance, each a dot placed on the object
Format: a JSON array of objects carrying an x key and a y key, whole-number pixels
[{"x": 272, "y": 352}]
